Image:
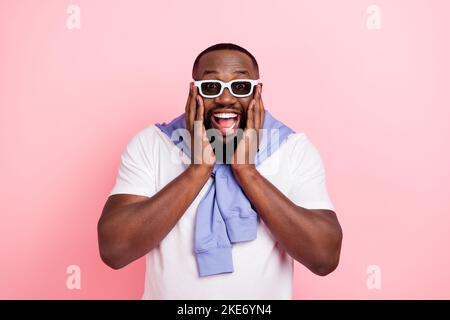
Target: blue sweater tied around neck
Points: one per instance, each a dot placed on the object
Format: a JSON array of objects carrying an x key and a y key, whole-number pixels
[{"x": 224, "y": 215}]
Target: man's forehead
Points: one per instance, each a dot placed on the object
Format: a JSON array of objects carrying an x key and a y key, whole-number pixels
[{"x": 225, "y": 61}]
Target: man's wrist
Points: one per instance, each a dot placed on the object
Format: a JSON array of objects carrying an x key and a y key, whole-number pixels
[
  {"x": 199, "y": 170},
  {"x": 242, "y": 171}
]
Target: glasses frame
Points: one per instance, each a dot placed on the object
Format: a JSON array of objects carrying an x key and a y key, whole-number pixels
[{"x": 224, "y": 85}]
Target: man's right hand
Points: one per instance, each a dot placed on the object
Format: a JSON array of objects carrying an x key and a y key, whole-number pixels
[
  {"x": 132, "y": 225},
  {"x": 202, "y": 154}
]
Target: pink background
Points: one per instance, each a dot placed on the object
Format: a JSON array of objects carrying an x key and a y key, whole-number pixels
[{"x": 374, "y": 102}]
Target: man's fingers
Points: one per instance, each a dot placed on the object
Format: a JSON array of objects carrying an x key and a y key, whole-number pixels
[
  {"x": 200, "y": 116},
  {"x": 257, "y": 112},
  {"x": 190, "y": 108},
  {"x": 250, "y": 116},
  {"x": 194, "y": 102},
  {"x": 257, "y": 117},
  {"x": 186, "y": 108},
  {"x": 200, "y": 109},
  {"x": 262, "y": 110}
]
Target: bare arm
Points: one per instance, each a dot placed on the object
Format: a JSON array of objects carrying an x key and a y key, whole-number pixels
[{"x": 130, "y": 225}]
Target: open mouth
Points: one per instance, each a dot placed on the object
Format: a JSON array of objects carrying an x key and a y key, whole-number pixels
[{"x": 226, "y": 122}]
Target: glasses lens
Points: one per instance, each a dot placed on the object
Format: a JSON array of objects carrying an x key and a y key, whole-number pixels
[
  {"x": 211, "y": 88},
  {"x": 241, "y": 87}
]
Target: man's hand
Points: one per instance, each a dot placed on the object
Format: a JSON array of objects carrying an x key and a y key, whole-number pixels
[
  {"x": 202, "y": 154},
  {"x": 244, "y": 156}
]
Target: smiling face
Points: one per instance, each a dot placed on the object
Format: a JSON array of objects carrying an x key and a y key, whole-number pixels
[{"x": 226, "y": 111}]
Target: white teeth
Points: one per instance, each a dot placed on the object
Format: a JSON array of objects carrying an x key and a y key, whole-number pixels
[{"x": 225, "y": 115}]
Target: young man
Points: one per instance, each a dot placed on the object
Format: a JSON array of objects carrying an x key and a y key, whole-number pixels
[{"x": 213, "y": 226}]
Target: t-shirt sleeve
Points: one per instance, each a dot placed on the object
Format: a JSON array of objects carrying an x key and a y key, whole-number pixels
[
  {"x": 308, "y": 188},
  {"x": 136, "y": 175}
]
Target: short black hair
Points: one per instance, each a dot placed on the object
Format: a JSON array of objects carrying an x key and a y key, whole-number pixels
[{"x": 224, "y": 46}]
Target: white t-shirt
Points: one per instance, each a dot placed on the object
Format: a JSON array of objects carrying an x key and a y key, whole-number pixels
[{"x": 262, "y": 269}]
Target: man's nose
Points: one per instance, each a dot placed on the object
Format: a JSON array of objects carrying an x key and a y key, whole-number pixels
[{"x": 226, "y": 98}]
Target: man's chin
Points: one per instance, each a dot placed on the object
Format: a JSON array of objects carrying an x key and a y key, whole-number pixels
[{"x": 229, "y": 137}]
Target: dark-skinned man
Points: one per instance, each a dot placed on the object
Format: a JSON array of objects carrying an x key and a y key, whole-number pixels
[{"x": 221, "y": 223}]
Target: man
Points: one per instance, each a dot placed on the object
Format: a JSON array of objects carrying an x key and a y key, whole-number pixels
[{"x": 179, "y": 213}]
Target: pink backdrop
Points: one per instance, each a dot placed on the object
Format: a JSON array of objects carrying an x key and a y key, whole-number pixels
[{"x": 375, "y": 102}]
